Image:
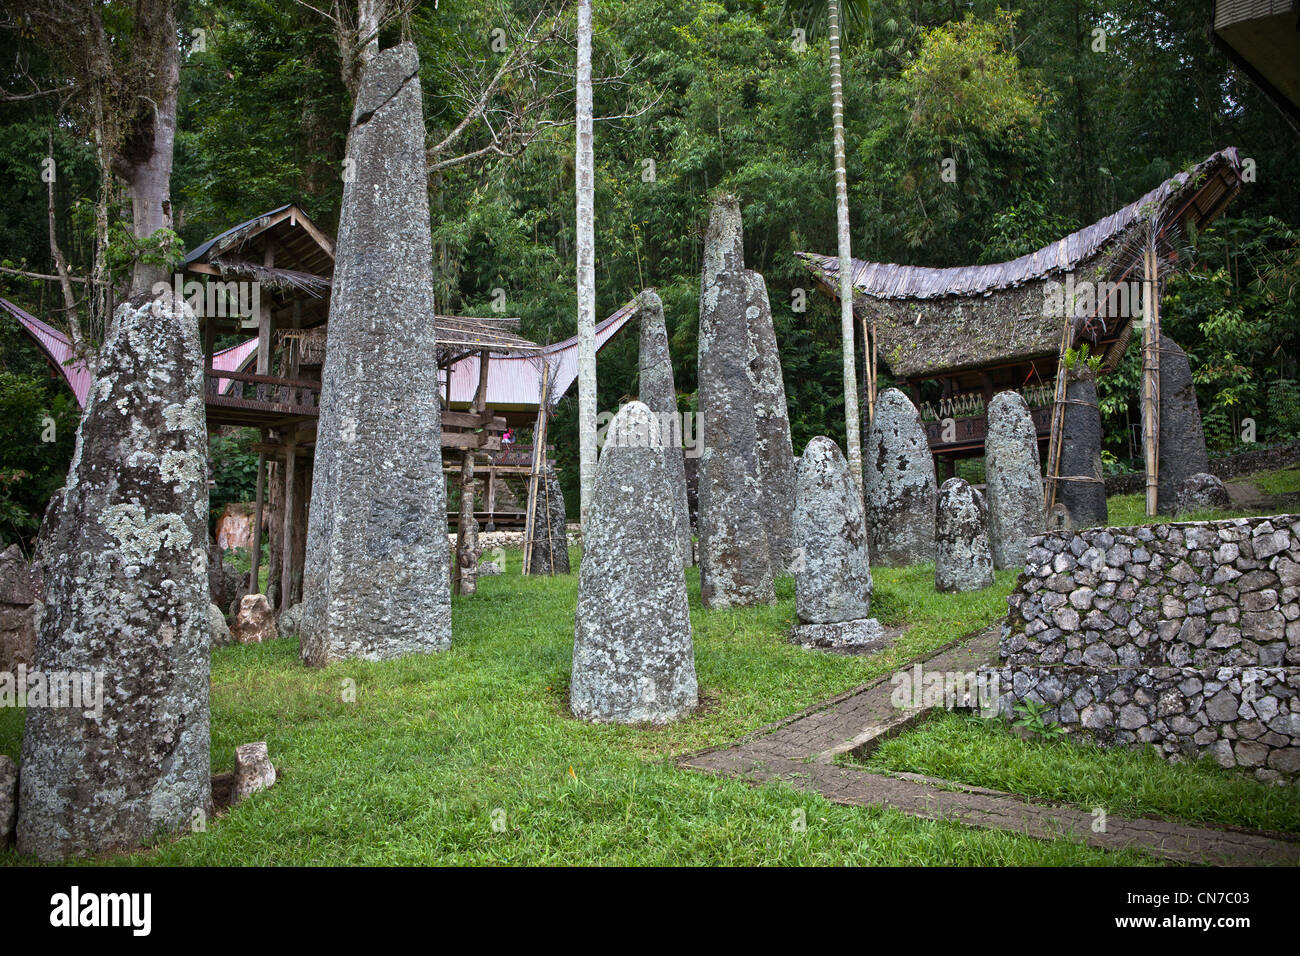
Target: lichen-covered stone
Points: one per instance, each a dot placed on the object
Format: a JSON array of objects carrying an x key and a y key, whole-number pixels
[
  {"x": 735, "y": 559},
  {"x": 832, "y": 578},
  {"x": 1202, "y": 492},
  {"x": 375, "y": 581},
  {"x": 17, "y": 622},
  {"x": 550, "y": 543},
  {"x": 290, "y": 621},
  {"x": 1082, "y": 489},
  {"x": 1013, "y": 479},
  {"x": 253, "y": 770},
  {"x": 633, "y": 659},
  {"x": 127, "y": 602},
  {"x": 898, "y": 483},
  {"x": 255, "y": 621},
  {"x": 218, "y": 630},
  {"x": 963, "y": 560},
  {"x": 773, "y": 450},
  {"x": 1181, "y": 452},
  {"x": 861, "y": 635},
  {"x": 660, "y": 395},
  {"x": 8, "y": 800}
]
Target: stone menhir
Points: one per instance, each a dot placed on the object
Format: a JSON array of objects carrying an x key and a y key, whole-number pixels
[
  {"x": 550, "y": 543},
  {"x": 774, "y": 453},
  {"x": 633, "y": 660},
  {"x": 963, "y": 560},
  {"x": 735, "y": 562},
  {"x": 127, "y": 603},
  {"x": 832, "y": 580},
  {"x": 375, "y": 581},
  {"x": 1082, "y": 488},
  {"x": 660, "y": 395},
  {"x": 17, "y": 606},
  {"x": 1182, "y": 440},
  {"x": 1013, "y": 479},
  {"x": 1201, "y": 492},
  {"x": 898, "y": 484}
]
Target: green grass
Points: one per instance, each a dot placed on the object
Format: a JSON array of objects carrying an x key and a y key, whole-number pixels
[
  {"x": 1282, "y": 481},
  {"x": 988, "y": 753},
  {"x": 1128, "y": 510},
  {"x": 412, "y": 771}
]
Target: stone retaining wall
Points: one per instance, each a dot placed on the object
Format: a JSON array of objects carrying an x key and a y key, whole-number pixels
[
  {"x": 1185, "y": 636},
  {"x": 1228, "y": 466}
]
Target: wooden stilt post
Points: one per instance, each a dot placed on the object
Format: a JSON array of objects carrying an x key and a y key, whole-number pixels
[
  {"x": 466, "y": 547},
  {"x": 253, "y": 584},
  {"x": 286, "y": 537},
  {"x": 1151, "y": 373},
  {"x": 491, "y": 498},
  {"x": 536, "y": 464}
]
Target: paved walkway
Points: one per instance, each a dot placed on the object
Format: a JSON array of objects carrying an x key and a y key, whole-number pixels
[{"x": 801, "y": 750}]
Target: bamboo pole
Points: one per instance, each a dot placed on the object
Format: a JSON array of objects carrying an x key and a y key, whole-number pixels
[
  {"x": 1151, "y": 375},
  {"x": 1058, "y": 418},
  {"x": 537, "y": 462},
  {"x": 257, "y": 521},
  {"x": 286, "y": 538}
]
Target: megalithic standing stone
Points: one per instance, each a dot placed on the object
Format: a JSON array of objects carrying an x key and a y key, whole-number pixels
[
  {"x": 660, "y": 395},
  {"x": 375, "y": 582},
  {"x": 899, "y": 483},
  {"x": 550, "y": 544},
  {"x": 126, "y": 605},
  {"x": 774, "y": 451},
  {"x": 633, "y": 659},
  {"x": 735, "y": 564},
  {"x": 1082, "y": 487},
  {"x": 833, "y": 583},
  {"x": 1013, "y": 480},
  {"x": 1181, "y": 452},
  {"x": 963, "y": 560}
]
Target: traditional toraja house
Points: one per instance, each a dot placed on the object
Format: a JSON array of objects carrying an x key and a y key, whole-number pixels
[
  {"x": 955, "y": 336},
  {"x": 271, "y": 276}
]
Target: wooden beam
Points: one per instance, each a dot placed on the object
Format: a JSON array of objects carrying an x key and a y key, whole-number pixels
[
  {"x": 253, "y": 584},
  {"x": 286, "y": 539}
]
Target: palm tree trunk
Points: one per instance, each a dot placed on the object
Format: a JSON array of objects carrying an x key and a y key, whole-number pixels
[
  {"x": 585, "y": 163},
  {"x": 852, "y": 422}
]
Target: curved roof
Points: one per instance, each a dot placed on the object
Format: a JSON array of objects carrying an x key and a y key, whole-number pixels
[{"x": 887, "y": 280}]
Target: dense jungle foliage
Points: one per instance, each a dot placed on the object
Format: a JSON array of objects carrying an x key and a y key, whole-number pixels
[{"x": 1056, "y": 112}]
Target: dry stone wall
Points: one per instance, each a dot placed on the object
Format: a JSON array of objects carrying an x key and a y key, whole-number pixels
[{"x": 1185, "y": 636}]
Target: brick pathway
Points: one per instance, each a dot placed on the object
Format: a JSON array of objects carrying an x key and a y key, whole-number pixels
[{"x": 801, "y": 750}]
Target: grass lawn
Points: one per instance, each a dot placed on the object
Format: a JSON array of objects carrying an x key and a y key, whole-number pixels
[
  {"x": 988, "y": 753},
  {"x": 412, "y": 771},
  {"x": 1282, "y": 481}
]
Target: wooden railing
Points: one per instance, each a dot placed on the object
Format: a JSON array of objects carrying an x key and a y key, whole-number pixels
[
  {"x": 970, "y": 431},
  {"x": 269, "y": 392}
]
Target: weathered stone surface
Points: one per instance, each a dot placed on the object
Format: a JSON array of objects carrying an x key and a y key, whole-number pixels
[
  {"x": 253, "y": 770},
  {"x": 963, "y": 560},
  {"x": 290, "y": 621},
  {"x": 861, "y": 635},
  {"x": 8, "y": 800},
  {"x": 550, "y": 544},
  {"x": 1201, "y": 492},
  {"x": 17, "y": 622},
  {"x": 1081, "y": 488},
  {"x": 633, "y": 659},
  {"x": 660, "y": 395},
  {"x": 773, "y": 450},
  {"x": 127, "y": 599},
  {"x": 899, "y": 484},
  {"x": 226, "y": 584},
  {"x": 832, "y": 580},
  {"x": 217, "y": 628},
  {"x": 235, "y": 526},
  {"x": 735, "y": 558},
  {"x": 255, "y": 621},
  {"x": 1013, "y": 480},
  {"x": 375, "y": 583},
  {"x": 1181, "y": 452}
]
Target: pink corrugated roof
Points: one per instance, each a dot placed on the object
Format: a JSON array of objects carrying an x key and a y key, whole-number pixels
[
  {"x": 517, "y": 379},
  {"x": 57, "y": 346}
]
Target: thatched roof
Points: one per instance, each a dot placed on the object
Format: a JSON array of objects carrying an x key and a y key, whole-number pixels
[{"x": 932, "y": 321}]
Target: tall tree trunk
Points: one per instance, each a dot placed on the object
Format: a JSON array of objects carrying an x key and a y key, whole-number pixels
[
  {"x": 852, "y": 423},
  {"x": 586, "y": 268}
]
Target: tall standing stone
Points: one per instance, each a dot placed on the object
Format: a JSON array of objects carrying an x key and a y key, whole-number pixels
[
  {"x": 833, "y": 580},
  {"x": 375, "y": 582},
  {"x": 17, "y": 620},
  {"x": 774, "y": 452},
  {"x": 899, "y": 483},
  {"x": 963, "y": 560},
  {"x": 660, "y": 396},
  {"x": 127, "y": 604},
  {"x": 1082, "y": 487},
  {"x": 1013, "y": 479},
  {"x": 550, "y": 544},
  {"x": 633, "y": 660},
  {"x": 1182, "y": 439},
  {"x": 735, "y": 563}
]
